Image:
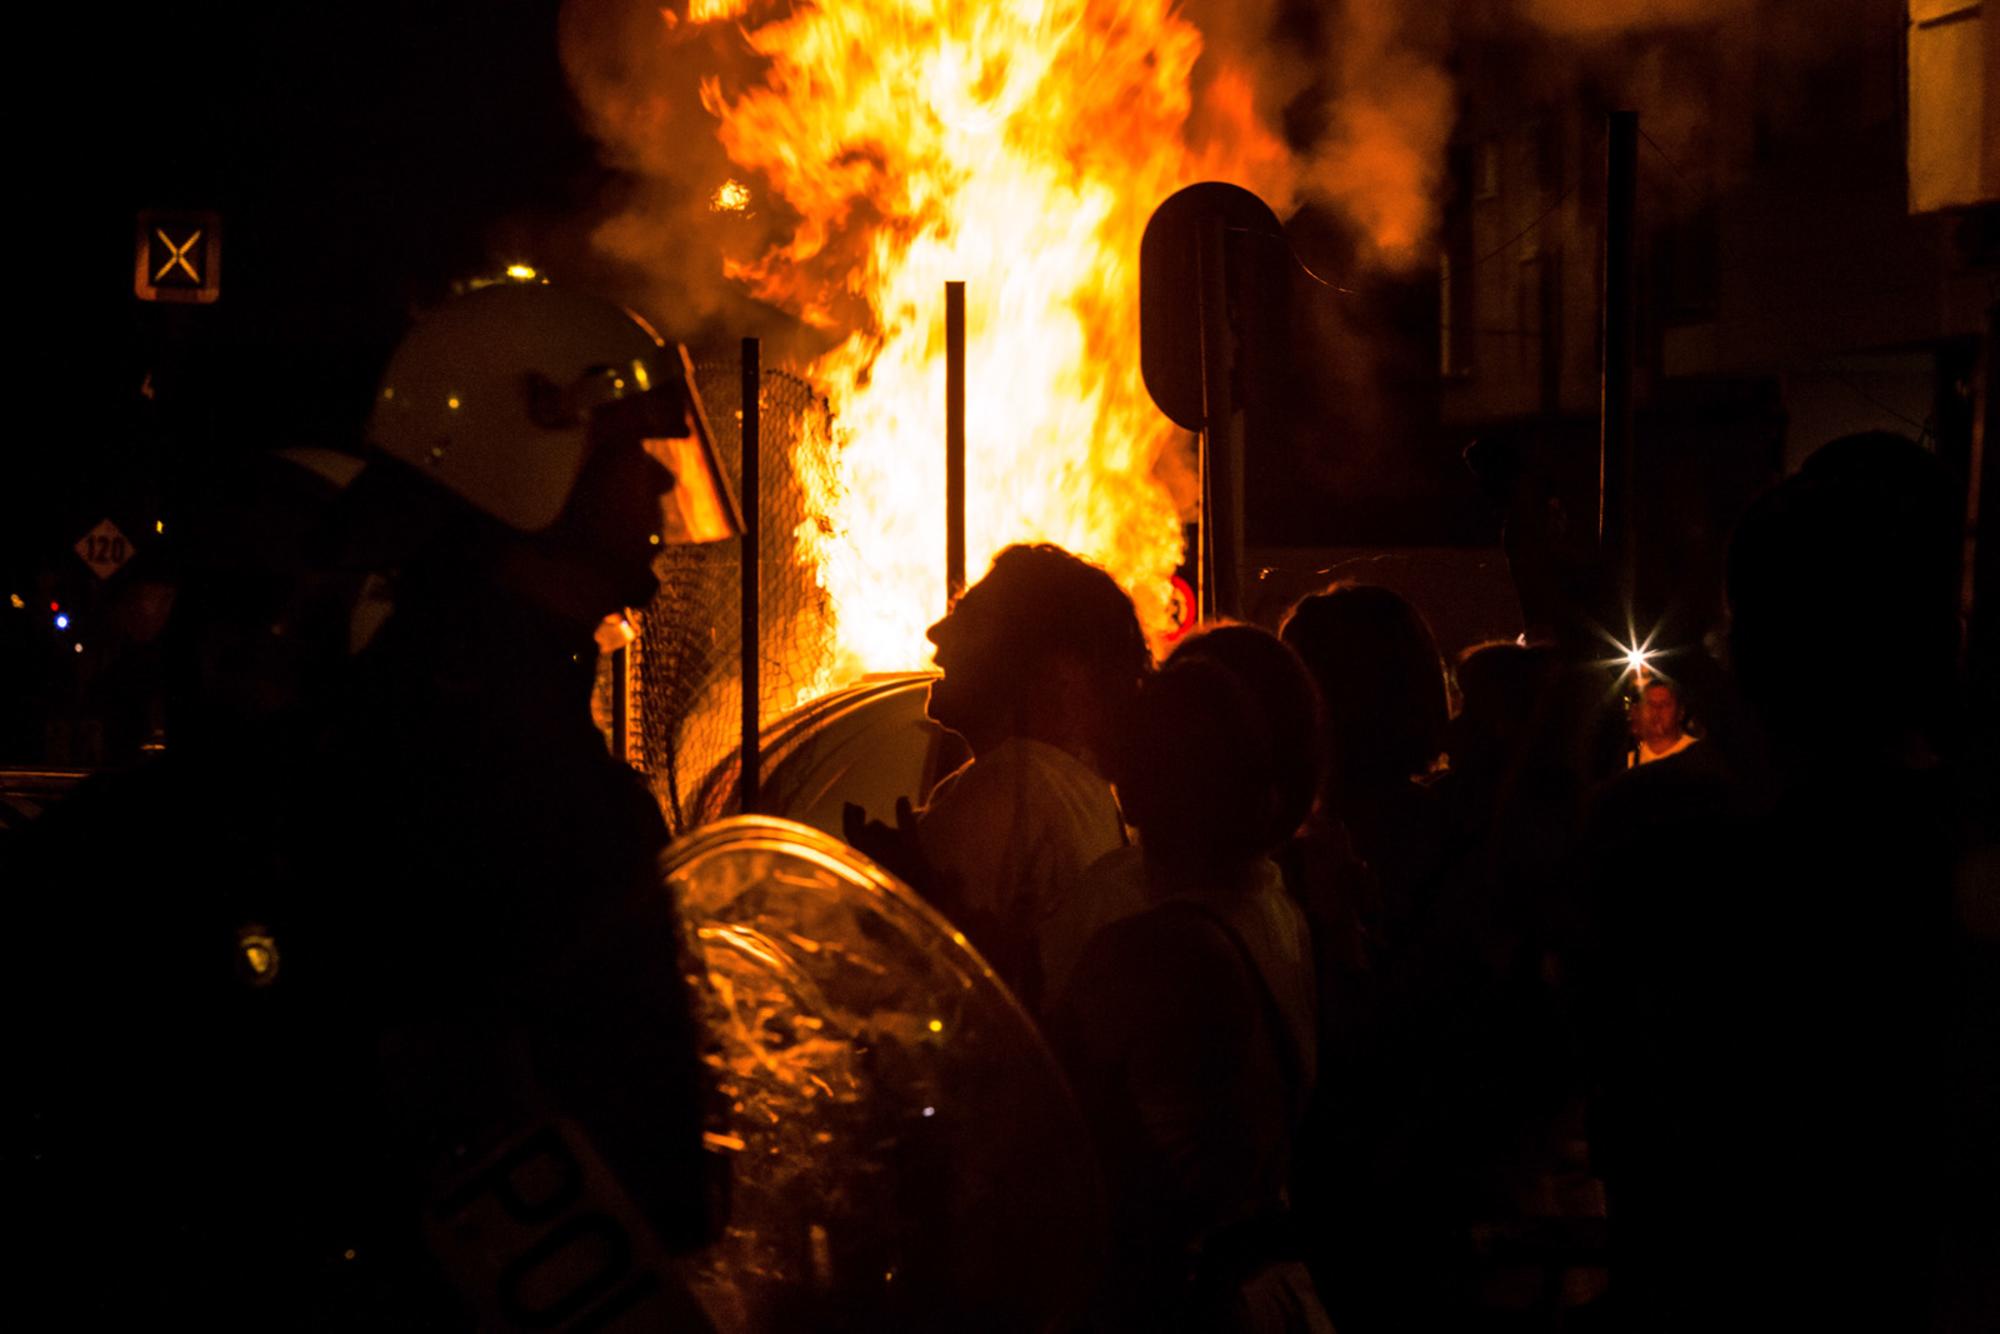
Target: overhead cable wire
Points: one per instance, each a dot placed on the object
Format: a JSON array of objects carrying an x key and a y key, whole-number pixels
[
  {"x": 1541, "y": 218},
  {"x": 1665, "y": 156},
  {"x": 1820, "y": 359}
]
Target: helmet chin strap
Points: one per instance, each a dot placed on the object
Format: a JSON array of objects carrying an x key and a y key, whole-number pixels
[{"x": 563, "y": 582}]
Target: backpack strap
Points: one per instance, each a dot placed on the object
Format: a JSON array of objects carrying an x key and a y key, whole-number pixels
[{"x": 1290, "y": 1067}]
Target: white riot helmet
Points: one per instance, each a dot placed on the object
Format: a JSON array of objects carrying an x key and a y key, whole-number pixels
[{"x": 491, "y": 396}]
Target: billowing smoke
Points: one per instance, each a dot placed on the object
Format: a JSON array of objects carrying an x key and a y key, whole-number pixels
[
  {"x": 637, "y": 71},
  {"x": 1380, "y": 158},
  {"x": 837, "y": 161},
  {"x": 1618, "y": 16},
  {"x": 1348, "y": 107},
  {"x": 1358, "y": 96}
]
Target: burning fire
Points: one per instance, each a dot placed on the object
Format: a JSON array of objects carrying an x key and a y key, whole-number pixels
[
  {"x": 1020, "y": 147},
  {"x": 730, "y": 197},
  {"x": 711, "y": 11}
]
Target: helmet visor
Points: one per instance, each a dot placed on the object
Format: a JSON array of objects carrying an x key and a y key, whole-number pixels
[
  {"x": 701, "y": 507},
  {"x": 673, "y": 428}
]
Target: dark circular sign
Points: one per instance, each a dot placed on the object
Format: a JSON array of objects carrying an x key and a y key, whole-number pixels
[{"x": 1170, "y": 286}]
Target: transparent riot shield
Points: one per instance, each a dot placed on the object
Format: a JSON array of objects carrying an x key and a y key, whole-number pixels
[{"x": 905, "y": 1152}]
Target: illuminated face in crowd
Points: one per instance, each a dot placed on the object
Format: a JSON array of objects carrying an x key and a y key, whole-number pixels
[{"x": 1658, "y": 715}]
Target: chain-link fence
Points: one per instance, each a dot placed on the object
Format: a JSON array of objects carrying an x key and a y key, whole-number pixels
[{"x": 682, "y": 675}]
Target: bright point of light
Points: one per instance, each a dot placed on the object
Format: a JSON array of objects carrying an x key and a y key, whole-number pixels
[
  {"x": 159, "y": 525},
  {"x": 1633, "y": 653},
  {"x": 79, "y": 648},
  {"x": 729, "y": 197},
  {"x": 16, "y": 601},
  {"x": 937, "y": 1025},
  {"x": 62, "y": 622},
  {"x": 930, "y": 1111},
  {"x": 452, "y": 402},
  {"x": 524, "y": 273}
]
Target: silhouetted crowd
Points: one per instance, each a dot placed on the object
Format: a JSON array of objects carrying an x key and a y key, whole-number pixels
[
  {"x": 1394, "y": 997},
  {"x": 1388, "y": 1014}
]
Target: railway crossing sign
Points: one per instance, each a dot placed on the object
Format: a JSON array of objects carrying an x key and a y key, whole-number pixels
[{"x": 178, "y": 256}]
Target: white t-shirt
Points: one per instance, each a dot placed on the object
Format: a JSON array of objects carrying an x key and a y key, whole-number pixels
[
  {"x": 1013, "y": 831},
  {"x": 1274, "y": 930},
  {"x": 1266, "y": 920},
  {"x": 1113, "y": 888},
  {"x": 1646, "y": 756},
  {"x": 1161, "y": 1034}
]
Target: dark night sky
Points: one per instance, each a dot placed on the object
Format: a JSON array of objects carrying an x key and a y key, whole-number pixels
[{"x": 362, "y": 155}]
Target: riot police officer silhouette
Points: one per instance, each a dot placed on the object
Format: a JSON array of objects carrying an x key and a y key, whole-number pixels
[{"x": 428, "y": 1059}]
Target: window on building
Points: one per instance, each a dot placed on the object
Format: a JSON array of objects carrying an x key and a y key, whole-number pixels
[
  {"x": 1486, "y": 182},
  {"x": 1456, "y": 264}
]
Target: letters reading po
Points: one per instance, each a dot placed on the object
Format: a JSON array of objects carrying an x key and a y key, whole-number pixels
[{"x": 527, "y": 1231}]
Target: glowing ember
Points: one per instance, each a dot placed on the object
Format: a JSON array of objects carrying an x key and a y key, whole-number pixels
[
  {"x": 1019, "y": 147},
  {"x": 730, "y": 197},
  {"x": 710, "y": 11}
]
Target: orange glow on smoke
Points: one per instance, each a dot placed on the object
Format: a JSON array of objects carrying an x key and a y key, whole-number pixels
[
  {"x": 713, "y": 11},
  {"x": 1020, "y": 147}
]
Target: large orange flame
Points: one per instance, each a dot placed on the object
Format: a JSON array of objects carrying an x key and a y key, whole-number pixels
[{"x": 1020, "y": 147}]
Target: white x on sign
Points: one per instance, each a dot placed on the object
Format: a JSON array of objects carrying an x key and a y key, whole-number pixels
[{"x": 177, "y": 255}]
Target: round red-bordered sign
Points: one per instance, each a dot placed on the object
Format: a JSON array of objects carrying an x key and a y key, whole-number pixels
[{"x": 1181, "y": 611}]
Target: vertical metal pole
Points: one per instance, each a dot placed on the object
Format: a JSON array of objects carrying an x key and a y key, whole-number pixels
[
  {"x": 1979, "y": 593},
  {"x": 621, "y": 704},
  {"x": 752, "y": 436},
  {"x": 1549, "y": 275},
  {"x": 1204, "y": 534},
  {"x": 1970, "y": 585},
  {"x": 1222, "y": 445},
  {"x": 954, "y": 440},
  {"x": 1615, "y": 482}
]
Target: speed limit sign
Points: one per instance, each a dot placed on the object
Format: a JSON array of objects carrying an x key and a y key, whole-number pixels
[{"x": 104, "y": 549}]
